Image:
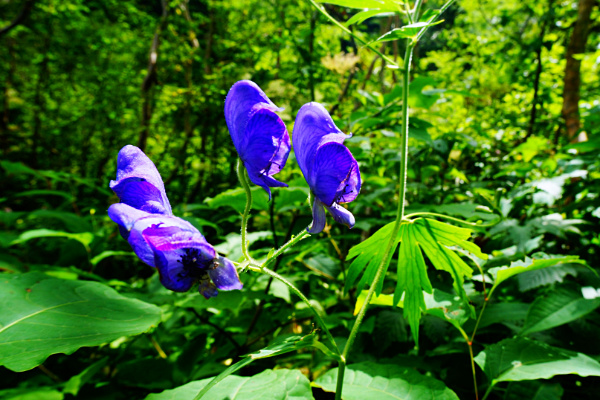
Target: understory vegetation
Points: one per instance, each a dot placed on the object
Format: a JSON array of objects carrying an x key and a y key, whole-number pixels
[{"x": 471, "y": 271}]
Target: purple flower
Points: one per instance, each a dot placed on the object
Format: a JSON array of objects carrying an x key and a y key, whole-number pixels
[
  {"x": 172, "y": 245},
  {"x": 328, "y": 166},
  {"x": 259, "y": 135}
]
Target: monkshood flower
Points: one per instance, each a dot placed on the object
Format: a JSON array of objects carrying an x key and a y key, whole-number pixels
[
  {"x": 259, "y": 135},
  {"x": 175, "y": 247},
  {"x": 328, "y": 166}
]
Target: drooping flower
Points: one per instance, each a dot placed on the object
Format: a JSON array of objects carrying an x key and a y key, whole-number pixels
[
  {"x": 175, "y": 247},
  {"x": 259, "y": 135},
  {"x": 327, "y": 165}
]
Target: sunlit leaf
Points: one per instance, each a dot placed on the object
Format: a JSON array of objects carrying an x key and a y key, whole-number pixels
[
  {"x": 280, "y": 384},
  {"x": 501, "y": 274},
  {"x": 421, "y": 237},
  {"x": 406, "y": 32},
  {"x": 369, "y": 380},
  {"x": 43, "y": 316},
  {"x": 362, "y": 16},
  {"x": 524, "y": 359},
  {"x": 451, "y": 308}
]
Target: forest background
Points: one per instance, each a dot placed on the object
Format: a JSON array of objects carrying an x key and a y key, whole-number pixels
[{"x": 504, "y": 131}]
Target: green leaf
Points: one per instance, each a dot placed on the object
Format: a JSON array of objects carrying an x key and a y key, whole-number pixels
[
  {"x": 523, "y": 359},
  {"x": 74, "y": 384},
  {"x": 368, "y": 255},
  {"x": 440, "y": 304},
  {"x": 362, "y": 16},
  {"x": 501, "y": 274},
  {"x": 43, "y": 316},
  {"x": 31, "y": 394},
  {"x": 369, "y": 380},
  {"x": 506, "y": 313},
  {"x": 236, "y": 199},
  {"x": 84, "y": 238},
  {"x": 558, "y": 307},
  {"x": 281, "y": 384},
  {"x": 406, "y": 32},
  {"x": 433, "y": 238},
  {"x": 280, "y": 345},
  {"x": 109, "y": 253}
]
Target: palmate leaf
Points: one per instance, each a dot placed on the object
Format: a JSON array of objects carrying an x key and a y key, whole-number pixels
[
  {"x": 42, "y": 315},
  {"x": 419, "y": 238},
  {"x": 446, "y": 306},
  {"x": 369, "y": 380}
]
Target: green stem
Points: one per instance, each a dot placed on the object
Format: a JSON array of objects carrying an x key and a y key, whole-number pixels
[
  {"x": 488, "y": 391},
  {"x": 433, "y": 19},
  {"x": 243, "y": 177},
  {"x": 349, "y": 32},
  {"x": 306, "y": 301},
  {"x": 457, "y": 220},
  {"x": 391, "y": 244},
  {"x": 292, "y": 242}
]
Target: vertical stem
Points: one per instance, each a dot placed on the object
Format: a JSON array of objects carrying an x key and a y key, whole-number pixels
[
  {"x": 391, "y": 245},
  {"x": 242, "y": 176}
]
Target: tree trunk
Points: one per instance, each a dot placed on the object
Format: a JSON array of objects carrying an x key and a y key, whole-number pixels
[{"x": 572, "y": 81}]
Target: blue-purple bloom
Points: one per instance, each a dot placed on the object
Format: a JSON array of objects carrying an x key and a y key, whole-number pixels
[
  {"x": 259, "y": 135},
  {"x": 172, "y": 245},
  {"x": 328, "y": 166}
]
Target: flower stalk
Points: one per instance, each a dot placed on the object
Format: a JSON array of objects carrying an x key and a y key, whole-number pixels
[{"x": 243, "y": 177}]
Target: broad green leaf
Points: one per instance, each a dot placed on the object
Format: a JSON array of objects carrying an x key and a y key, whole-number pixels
[
  {"x": 558, "y": 307},
  {"x": 280, "y": 384},
  {"x": 236, "y": 199},
  {"x": 523, "y": 359},
  {"x": 43, "y": 316},
  {"x": 406, "y": 32},
  {"x": 501, "y": 274},
  {"x": 76, "y": 382},
  {"x": 31, "y": 394},
  {"x": 84, "y": 238},
  {"x": 443, "y": 305},
  {"x": 369, "y": 380},
  {"x": 281, "y": 345},
  {"x": 546, "y": 276},
  {"x": 506, "y": 313}
]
